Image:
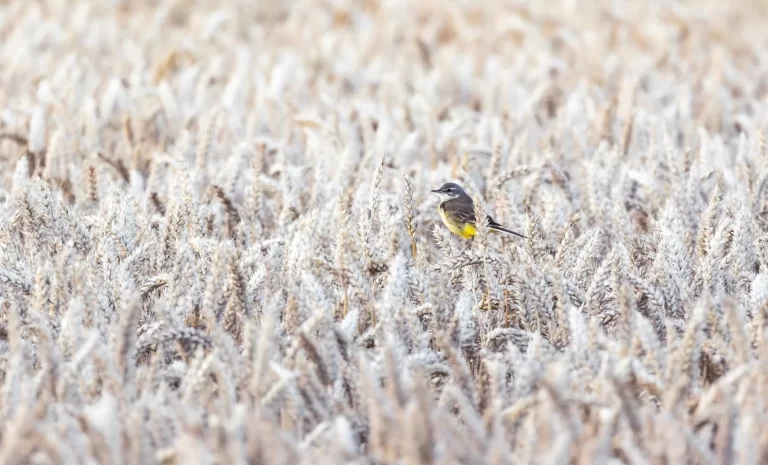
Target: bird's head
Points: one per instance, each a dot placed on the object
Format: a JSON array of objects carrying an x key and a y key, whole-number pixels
[{"x": 449, "y": 190}]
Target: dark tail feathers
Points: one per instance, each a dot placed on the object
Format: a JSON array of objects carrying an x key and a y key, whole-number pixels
[{"x": 498, "y": 227}]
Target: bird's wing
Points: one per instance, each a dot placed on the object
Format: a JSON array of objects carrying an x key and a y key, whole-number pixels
[
  {"x": 460, "y": 210},
  {"x": 492, "y": 222},
  {"x": 464, "y": 211}
]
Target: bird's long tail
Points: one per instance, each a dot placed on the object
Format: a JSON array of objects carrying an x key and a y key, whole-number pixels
[{"x": 499, "y": 228}]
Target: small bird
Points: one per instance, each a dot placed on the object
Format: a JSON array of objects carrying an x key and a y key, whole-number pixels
[{"x": 457, "y": 210}]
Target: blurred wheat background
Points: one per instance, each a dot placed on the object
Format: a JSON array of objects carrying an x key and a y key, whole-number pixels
[{"x": 218, "y": 245}]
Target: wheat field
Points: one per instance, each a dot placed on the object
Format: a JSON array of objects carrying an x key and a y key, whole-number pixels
[{"x": 218, "y": 243}]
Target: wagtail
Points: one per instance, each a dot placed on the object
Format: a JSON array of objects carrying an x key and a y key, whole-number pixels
[{"x": 457, "y": 210}]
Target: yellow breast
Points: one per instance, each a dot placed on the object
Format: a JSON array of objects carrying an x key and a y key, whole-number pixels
[{"x": 465, "y": 230}]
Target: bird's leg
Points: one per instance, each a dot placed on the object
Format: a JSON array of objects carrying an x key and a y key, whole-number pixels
[{"x": 468, "y": 245}]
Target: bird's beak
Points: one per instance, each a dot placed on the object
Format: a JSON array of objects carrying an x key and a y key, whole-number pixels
[{"x": 436, "y": 191}]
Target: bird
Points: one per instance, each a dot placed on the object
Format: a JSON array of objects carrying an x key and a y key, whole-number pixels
[{"x": 457, "y": 210}]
